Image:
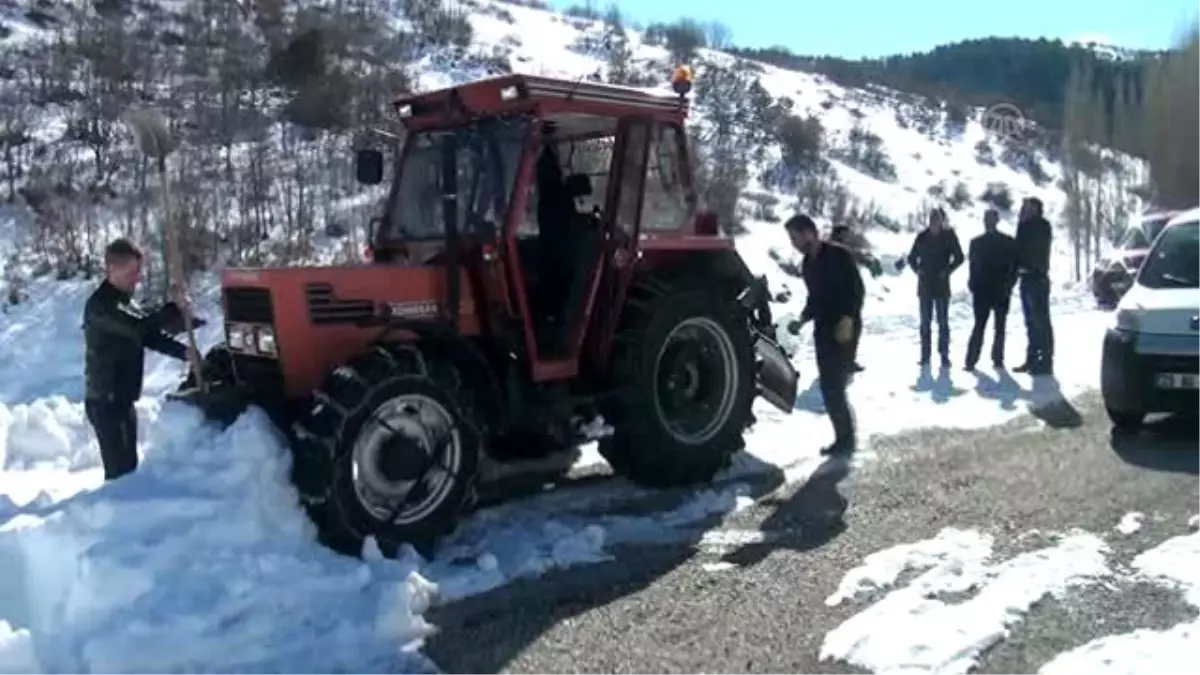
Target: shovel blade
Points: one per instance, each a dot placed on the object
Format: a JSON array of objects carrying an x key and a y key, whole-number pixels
[
  {"x": 222, "y": 404},
  {"x": 777, "y": 377}
]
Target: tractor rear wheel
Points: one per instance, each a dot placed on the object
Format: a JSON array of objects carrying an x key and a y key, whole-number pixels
[
  {"x": 396, "y": 452},
  {"x": 683, "y": 363}
]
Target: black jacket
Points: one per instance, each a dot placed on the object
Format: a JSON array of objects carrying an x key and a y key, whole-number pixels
[
  {"x": 835, "y": 286},
  {"x": 116, "y": 331},
  {"x": 933, "y": 258},
  {"x": 1033, "y": 246},
  {"x": 993, "y": 266}
]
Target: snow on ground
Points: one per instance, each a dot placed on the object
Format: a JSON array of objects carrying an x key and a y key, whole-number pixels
[
  {"x": 962, "y": 601},
  {"x": 1146, "y": 651},
  {"x": 1131, "y": 522},
  {"x": 918, "y": 628}
]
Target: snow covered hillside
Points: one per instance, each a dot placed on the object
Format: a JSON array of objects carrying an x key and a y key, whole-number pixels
[{"x": 202, "y": 561}]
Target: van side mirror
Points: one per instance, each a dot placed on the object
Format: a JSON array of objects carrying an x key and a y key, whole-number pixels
[{"x": 368, "y": 166}]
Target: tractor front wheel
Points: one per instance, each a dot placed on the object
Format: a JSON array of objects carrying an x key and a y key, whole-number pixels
[
  {"x": 684, "y": 367},
  {"x": 403, "y": 453}
]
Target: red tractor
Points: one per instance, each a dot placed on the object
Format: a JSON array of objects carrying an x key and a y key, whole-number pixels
[{"x": 540, "y": 262}]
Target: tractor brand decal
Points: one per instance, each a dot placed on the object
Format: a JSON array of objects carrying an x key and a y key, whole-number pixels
[{"x": 420, "y": 309}]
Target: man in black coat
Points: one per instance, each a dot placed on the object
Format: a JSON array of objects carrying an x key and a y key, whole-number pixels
[
  {"x": 835, "y": 297},
  {"x": 993, "y": 272},
  {"x": 1033, "y": 268},
  {"x": 116, "y": 331},
  {"x": 935, "y": 254}
]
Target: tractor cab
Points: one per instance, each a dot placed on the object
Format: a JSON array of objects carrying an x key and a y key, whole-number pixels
[{"x": 557, "y": 179}]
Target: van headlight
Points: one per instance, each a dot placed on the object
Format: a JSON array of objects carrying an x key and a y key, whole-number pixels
[
  {"x": 1126, "y": 319},
  {"x": 265, "y": 340}
]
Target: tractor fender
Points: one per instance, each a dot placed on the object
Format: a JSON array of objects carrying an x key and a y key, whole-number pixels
[{"x": 450, "y": 343}]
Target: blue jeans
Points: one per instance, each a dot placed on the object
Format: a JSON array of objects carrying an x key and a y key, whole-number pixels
[
  {"x": 1035, "y": 303},
  {"x": 931, "y": 306}
]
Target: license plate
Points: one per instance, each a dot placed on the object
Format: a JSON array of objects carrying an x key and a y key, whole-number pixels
[{"x": 1178, "y": 381}]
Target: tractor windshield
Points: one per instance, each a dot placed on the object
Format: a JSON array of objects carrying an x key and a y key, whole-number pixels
[{"x": 487, "y": 154}]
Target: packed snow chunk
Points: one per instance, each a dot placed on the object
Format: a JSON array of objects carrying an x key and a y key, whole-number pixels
[
  {"x": 16, "y": 651},
  {"x": 51, "y": 431},
  {"x": 1131, "y": 522},
  {"x": 1146, "y": 651},
  {"x": 1194, "y": 522},
  {"x": 917, "y": 628},
  {"x": 202, "y": 561}
]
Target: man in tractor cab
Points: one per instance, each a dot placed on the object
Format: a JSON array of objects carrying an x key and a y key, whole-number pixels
[{"x": 558, "y": 236}]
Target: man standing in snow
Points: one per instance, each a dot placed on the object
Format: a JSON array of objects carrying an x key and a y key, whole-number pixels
[
  {"x": 835, "y": 296},
  {"x": 116, "y": 331},
  {"x": 993, "y": 269},
  {"x": 935, "y": 254},
  {"x": 1033, "y": 267},
  {"x": 841, "y": 234}
]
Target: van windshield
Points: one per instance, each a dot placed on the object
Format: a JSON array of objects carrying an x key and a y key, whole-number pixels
[{"x": 1174, "y": 262}]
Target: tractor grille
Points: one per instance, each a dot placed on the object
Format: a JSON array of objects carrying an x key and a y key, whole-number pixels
[
  {"x": 324, "y": 308},
  {"x": 263, "y": 375},
  {"x": 249, "y": 305}
]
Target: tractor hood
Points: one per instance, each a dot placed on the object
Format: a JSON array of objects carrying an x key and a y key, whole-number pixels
[{"x": 317, "y": 317}]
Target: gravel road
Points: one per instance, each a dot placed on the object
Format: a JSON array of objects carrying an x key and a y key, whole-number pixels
[{"x": 748, "y": 594}]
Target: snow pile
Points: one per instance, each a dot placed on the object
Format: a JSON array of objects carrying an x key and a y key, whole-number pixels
[
  {"x": 917, "y": 628},
  {"x": 1173, "y": 562},
  {"x": 199, "y": 562}
]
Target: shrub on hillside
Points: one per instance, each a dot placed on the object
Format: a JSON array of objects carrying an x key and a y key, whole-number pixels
[
  {"x": 960, "y": 197},
  {"x": 864, "y": 151},
  {"x": 983, "y": 153},
  {"x": 683, "y": 38},
  {"x": 998, "y": 196}
]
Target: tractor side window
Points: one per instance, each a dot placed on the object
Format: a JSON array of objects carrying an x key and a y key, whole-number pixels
[
  {"x": 666, "y": 206},
  {"x": 591, "y": 157},
  {"x": 633, "y": 169}
]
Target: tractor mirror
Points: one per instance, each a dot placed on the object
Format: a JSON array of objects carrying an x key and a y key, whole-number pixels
[{"x": 368, "y": 166}]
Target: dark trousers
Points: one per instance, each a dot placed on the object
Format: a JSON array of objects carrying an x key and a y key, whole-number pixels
[
  {"x": 833, "y": 371},
  {"x": 988, "y": 304},
  {"x": 1035, "y": 303},
  {"x": 115, "y": 424},
  {"x": 930, "y": 306},
  {"x": 858, "y": 328}
]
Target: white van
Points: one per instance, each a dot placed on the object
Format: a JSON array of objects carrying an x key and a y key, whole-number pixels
[{"x": 1151, "y": 357}]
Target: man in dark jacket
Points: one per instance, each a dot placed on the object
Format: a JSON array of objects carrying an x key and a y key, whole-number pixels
[
  {"x": 1033, "y": 267},
  {"x": 842, "y": 235},
  {"x": 116, "y": 331},
  {"x": 993, "y": 270},
  {"x": 935, "y": 254},
  {"x": 835, "y": 296}
]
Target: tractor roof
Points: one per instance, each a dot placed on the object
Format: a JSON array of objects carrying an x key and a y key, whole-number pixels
[{"x": 549, "y": 97}]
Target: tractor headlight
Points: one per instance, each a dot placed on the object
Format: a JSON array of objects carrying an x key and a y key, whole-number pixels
[
  {"x": 265, "y": 337},
  {"x": 241, "y": 337}
]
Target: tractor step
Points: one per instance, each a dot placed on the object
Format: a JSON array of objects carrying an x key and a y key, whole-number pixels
[{"x": 222, "y": 403}]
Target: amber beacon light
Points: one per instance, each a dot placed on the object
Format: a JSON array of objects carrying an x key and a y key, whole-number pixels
[{"x": 681, "y": 80}]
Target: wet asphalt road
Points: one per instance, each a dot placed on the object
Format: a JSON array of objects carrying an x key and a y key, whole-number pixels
[{"x": 662, "y": 608}]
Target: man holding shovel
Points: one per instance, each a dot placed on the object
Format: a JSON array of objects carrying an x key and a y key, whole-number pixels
[{"x": 116, "y": 331}]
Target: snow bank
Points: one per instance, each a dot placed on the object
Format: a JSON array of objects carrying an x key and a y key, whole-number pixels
[
  {"x": 200, "y": 562},
  {"x": 917, "y": 628}
]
